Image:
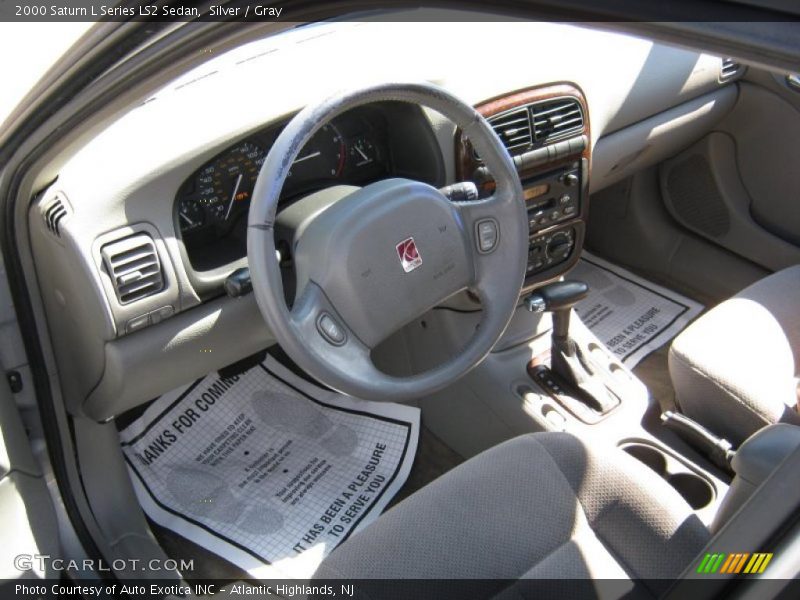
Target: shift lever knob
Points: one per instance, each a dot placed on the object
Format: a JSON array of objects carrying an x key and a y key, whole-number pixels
[
  {"x": 561, "y": 295},
  {"x": 558, "y": 298}
]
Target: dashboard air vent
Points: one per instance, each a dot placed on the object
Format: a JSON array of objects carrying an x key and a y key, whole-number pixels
[
  {"x": 53, "y": 213},
  {"x": 513, "y": 128},
  {"x": 555, "y": 119},
  {"x": 729, "y": 69},
  {"x": 133, "y": 266}
]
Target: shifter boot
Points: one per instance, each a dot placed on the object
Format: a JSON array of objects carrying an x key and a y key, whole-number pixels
[{"x": 578, "y": 369}]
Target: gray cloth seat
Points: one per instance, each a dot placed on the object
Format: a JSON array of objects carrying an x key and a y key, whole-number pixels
[
  {"x": 735, "y": 369},
  {"x": 540, "y": 506}
]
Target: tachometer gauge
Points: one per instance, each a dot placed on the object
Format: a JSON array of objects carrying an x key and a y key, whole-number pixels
[{"x": 321, "y": 158}]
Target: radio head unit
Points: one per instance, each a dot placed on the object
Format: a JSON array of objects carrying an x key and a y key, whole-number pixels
[{"x": 553, "y": 197}]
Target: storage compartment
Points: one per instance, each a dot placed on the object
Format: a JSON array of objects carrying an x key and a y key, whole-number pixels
[{"x": 696, "y": 490}]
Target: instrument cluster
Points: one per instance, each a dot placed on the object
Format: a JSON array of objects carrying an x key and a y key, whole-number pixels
[{"x": 212, "y": 204}]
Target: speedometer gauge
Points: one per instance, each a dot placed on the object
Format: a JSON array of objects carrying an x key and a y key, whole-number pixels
[
  {"x": 221, "y": 190},
  {"x": 233, "y": 179},
  {"x": 209, "y": 192}
]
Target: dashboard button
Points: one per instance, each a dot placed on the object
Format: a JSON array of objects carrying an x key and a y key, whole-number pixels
[
  {"x": 577, "y": 144},
  {"x": 162, "y": 313},
  {"x": 533, "y": 158},
  {"x": 137, "y": 323},
  {"x": 331, "y": 330}
]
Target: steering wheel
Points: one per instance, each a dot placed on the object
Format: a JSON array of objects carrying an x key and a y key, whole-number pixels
[{"x": 386, "y": 253}]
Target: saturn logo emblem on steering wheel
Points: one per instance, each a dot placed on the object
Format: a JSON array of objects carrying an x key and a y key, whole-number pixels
[{"x": 409, "y": 254}]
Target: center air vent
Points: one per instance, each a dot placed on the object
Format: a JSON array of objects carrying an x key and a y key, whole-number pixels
[
  {"x": 513, "y": 128},
  {"x": 134, "y": 268},
  {"x": 729, "y": 69},
  {"x": 555, "y": 119}
]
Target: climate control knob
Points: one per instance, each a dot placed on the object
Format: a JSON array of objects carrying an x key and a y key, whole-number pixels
[
  {"x": 559, "y": 247},
  {"x": 570, "y": 179}
]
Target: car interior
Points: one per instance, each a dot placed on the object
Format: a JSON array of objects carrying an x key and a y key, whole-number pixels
[{"x": 396, "y": 223}]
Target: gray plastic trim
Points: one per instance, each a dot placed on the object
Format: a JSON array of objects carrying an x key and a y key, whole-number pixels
[
  {"x": 192, "y": 344},
  {"x": 621, "y": 154}
]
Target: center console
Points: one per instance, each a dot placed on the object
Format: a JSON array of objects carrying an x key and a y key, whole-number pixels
[
  {"x": 546, "y": 131},
  {"x": 571, "y": 382}
]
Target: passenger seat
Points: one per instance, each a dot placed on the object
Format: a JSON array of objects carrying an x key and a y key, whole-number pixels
[{"x": 735, "y": 369}]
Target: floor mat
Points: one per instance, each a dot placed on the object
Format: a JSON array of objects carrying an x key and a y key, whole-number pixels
[
  {"x": 630, "y": 315},
  {"x": 266, "y": 470}
]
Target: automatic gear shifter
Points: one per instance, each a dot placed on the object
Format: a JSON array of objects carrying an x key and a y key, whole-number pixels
[{"x": 571, "y": 363}]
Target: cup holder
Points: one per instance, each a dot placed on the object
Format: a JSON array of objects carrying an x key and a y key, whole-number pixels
[
  {"x": 650, "y": 456},
  {"x": 697, "y": 492}
]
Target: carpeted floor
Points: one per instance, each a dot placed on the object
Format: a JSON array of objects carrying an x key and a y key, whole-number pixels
[
  {"x": 207, "y": 565},
  {"x": 433, "y": 459}
]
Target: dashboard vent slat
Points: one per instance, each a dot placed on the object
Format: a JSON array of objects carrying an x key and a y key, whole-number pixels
[
  {"x": 553, "y": 119},
  {"x": 513, "y": 129},
  {"x": 53, "y": 213},
  {"x": 729, "y": 69},
  {"x": 134, "y": 267}
]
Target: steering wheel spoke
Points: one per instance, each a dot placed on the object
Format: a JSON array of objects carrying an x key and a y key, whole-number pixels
[
  {"x": 324, "y": 333},
  {"x": 317, "y": 321},
  {"x": 486, "y": 225},
  {"x": 473, "y": 214}
]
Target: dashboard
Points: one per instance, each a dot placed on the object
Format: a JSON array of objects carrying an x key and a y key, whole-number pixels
[
  {"x": 357, "y": 148},
  {"x": 164, "y": 191}
]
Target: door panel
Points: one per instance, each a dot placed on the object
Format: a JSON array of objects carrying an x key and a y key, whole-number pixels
[
  {"x": 703, "y": 190},
  {"x": 767, "y": 132},
  {"x": 740, "y": 185},
  {"x": 27, "y": 517}
]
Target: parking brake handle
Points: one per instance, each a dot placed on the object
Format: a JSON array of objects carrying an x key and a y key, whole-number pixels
[{"x": 718, "y": 449}]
